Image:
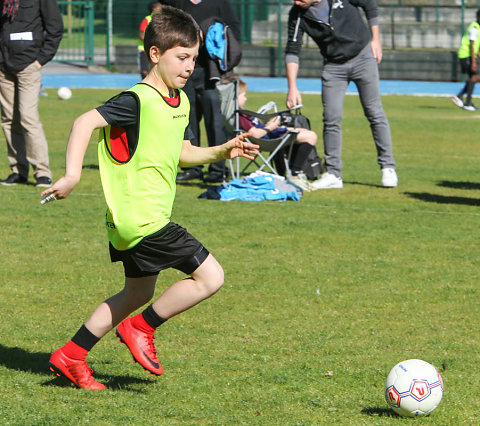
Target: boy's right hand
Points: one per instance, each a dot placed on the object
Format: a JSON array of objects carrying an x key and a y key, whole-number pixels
[
  {"x": 273, "y": 123},
  {"x": 61, "y": 188}
]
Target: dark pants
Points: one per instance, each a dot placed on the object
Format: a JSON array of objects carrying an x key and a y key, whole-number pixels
[{"x": 204, "y": 101}]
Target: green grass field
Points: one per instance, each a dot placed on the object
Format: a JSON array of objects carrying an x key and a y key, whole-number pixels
[{"x": 322, "y": 297}]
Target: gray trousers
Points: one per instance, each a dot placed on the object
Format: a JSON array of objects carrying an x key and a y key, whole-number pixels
[
  {"x": 26, "y": 142},
  {"x": 363, "y": 71}
]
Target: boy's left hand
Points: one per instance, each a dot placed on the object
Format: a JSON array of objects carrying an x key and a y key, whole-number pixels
[{"x": 237, "y": 147}]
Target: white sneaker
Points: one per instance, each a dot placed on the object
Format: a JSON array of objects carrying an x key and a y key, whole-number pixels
[
  {"x": 328, "y": 180},
  {"x": 389, "y": 177},
  {"x": 301, "y": 181},
  {"x": 457, "y": 101},
  {"x": 470, "y": 107}
]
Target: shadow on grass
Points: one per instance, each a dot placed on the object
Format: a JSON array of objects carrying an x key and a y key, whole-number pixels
[
  {"x": 37, "y": 363},
  {"x": 379, "y": 412},
  {"x": 459, "y": 185},
  {"x": 197, "y": 184},
  {"x": 373, "y": 185},
  {"x": 443, "y": 199}
]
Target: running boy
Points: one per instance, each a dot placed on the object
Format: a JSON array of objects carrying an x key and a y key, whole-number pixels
[{"x": 142, "y": 141}]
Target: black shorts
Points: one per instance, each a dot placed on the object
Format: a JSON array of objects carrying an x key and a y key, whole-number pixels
[
  {"x": 170, "y": 247},
  {"x": 466, "y": 66}
]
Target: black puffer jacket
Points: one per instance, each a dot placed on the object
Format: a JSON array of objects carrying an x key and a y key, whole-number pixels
[
  {"x": 34, "y": 34},
  {"x": 340, "y": 39}
]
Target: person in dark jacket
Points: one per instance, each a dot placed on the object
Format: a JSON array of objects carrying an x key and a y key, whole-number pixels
[
  {"x": 200, "y": 88},
  {"x": 30, "y": 32},
  {"x": 350, "y": 53}
]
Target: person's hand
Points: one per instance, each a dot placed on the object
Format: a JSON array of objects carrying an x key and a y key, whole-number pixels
[
  {"x": 377, "y": 50},
  {"x": 273, "y": 124},
  {"x": 61, "y": 188},
  {"x": 238, "y": 147},
  {"x": 293, "y": 98}
]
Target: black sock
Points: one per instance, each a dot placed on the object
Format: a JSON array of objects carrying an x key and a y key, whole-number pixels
[
  {"x": 301, "y": 155},
  {"x": 152, "y": 318},
  {"x": 470, "y": 87},
  {"x": 85, "y": 338},
  {"x": 463, "y": 91}
]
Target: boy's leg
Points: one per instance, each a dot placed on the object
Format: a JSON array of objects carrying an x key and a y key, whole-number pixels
[
  {"x": 205, "y": 281},
  {"x": 137, "y": 332},
  {"x": 470, "y": 86},
  {"x": 136, "y": 293},
  {"x": 303, "y": 151},
  {"x": 463, "y": 91},
  {"x": 69, "y": 360}
]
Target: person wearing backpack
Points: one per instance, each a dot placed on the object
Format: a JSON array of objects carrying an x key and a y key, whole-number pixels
[{"x": 200, "y": 88}]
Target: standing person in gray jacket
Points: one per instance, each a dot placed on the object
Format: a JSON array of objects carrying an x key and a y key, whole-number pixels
[
  {"x": 350, "y": 53},
  {"x": 30, "y": 32}
]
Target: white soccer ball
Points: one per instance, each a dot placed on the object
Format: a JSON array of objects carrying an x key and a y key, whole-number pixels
[
  {"x": 413, "y": 388},
  {"x": 64, "y": 93}
]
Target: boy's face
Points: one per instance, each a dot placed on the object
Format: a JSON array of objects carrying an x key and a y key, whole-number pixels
[
  {"x": 242, "y": 98},
  {"x": 174, "y": 66}
]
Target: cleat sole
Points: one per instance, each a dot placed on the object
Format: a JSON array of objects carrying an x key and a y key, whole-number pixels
[{"x": 57, "y": 371}]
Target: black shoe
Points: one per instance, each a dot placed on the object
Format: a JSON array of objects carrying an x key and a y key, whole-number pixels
[
  {"x": 14, "y": 179},
  {"x": 189, "y": 174},
  {"x": 213, "y": 177},
  {"x": 43, "y": 182}
]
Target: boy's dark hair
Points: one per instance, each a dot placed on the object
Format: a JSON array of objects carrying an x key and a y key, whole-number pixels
[
  {"x": 478, "y": 15},
  {"x": 152, "y": 5},
  {"x": 170, "y": 28}
]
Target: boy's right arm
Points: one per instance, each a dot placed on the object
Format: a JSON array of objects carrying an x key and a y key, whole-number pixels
[{"x": 80, "y": 135}]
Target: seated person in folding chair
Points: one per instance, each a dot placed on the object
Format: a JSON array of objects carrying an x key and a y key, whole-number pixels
[{"x": 273, "y": 130}]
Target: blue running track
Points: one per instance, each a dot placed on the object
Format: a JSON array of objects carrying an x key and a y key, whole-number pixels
[{"x": 256, "y": 84}]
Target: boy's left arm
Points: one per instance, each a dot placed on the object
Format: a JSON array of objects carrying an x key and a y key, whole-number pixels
[{"x": 236, "y": 147}]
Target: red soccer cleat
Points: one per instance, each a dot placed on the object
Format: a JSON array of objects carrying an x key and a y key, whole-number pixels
[
  {"x": 76, "y": 371},
  {"x": 140, "y": 345}
]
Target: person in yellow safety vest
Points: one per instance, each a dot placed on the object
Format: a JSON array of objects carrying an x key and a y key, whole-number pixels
[
  {"x": 143, "y": 64},
  {"x": 144, "y": 137},
  {"x": 467, "y": 55}
]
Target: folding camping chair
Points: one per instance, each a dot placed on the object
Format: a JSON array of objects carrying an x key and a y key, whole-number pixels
[{"x": 276, "y": 149}]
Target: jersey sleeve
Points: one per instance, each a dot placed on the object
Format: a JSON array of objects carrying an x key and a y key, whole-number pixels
[
  {"x": 143, "y": 25},
  {"x": 121, "y": 110},
  {"x": 188, "y": 135},
  {"x": 122, "y": 114},
  {"x": 473, "y": 34}
]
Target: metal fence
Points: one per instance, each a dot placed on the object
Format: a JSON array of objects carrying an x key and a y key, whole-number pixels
[
  {"x": 77, "y": 43},
  {"x": 412, "y": 24}
]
